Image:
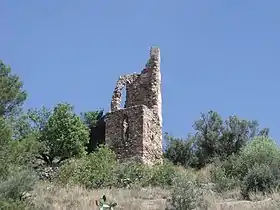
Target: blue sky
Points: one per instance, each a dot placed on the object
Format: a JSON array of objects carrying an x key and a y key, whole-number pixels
[{"x": 219, "y": 54}]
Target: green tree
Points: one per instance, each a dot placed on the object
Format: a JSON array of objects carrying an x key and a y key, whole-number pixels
[
  {"x": 235, "y": 134},
  {"x": 95, "y": 122},
  {"x": 180, "y": 151},
  {"x": 30, "y": 123},
  {"x": 214, "y": 138},
  {"x": 37, "y": 120},
  {"x": 91, "y": 118},
  {"x": 63, "y": 136},
  {"x": 12, "y": 94},
  {"x": 208, "y": 132},
  {"x": 5, "y": 132}
]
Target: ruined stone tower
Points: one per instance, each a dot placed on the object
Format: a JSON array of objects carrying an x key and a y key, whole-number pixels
[{"x": 135, "y": 131}]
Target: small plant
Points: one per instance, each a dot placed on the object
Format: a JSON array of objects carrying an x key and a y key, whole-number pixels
[
  {"x": 103, "y": 205},
  {"x": 186, "y": 195}
]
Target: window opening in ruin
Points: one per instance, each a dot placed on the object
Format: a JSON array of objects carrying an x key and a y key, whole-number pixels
[{"x": 123, "y": 98}]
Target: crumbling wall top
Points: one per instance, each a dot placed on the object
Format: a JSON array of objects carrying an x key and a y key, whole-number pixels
[
  {"x": 152, "y": 66},
  {"x": 154, "y": 58}
]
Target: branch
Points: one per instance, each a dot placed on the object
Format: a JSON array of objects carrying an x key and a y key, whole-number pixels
[
  {"x": 62, "y": 159},
  {"x": 44, "y": 157}
]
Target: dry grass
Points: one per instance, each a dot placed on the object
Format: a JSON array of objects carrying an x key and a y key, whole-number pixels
[
  {"x": 57, "y": 198},
  {"x": 70, "y": 198},
  {"x": 232, "y": 200},
  {"x": 267, "y": 204}
]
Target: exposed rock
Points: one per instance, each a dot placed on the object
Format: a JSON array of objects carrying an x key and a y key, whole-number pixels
[{"x": 47, "y": 173}]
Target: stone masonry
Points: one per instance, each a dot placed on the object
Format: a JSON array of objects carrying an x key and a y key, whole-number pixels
[{"x": 135, "y": 131}]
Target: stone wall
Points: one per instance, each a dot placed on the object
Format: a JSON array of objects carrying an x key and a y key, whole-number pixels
[{"x": 135, "y": 131}]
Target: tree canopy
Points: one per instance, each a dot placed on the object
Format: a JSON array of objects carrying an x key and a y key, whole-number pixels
[{"x": 12, "y": 95}]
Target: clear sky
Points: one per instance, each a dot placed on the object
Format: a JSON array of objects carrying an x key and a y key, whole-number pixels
[{"x": 216, "y": 54}]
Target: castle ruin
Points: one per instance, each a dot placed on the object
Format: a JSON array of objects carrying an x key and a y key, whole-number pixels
[{"x": 135, "y": 131}]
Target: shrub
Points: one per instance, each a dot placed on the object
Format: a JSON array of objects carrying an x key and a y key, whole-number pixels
[
  {"x": 261, "y": 150},
  {"x": 221, "y": 179},
  {"x": 22, "y": 152},
  {"x": 135, "y": 173},
  {"x": 17, "y": 185},
  {"x": 9, "y": 204},
  {"x": 260, "y": 177},
  {"x": 163, "y": 175},
  {"x": 231, "y": 165},
  {"x": 185, "y": 195},
  {"x": 68, "y": 173},
  {"x": 259, "y": 154},
  {"x": 95, "y": 170},
  {"x": 16, "y": 154},
  {"x": 131, "y": 173}
]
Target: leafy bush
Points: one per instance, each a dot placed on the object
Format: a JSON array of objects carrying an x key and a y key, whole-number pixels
[
  {"x": 261, "y": 150},
  {"x": 9, "y": 204},
  {"x": 18, "y": 183},
  {"x": 231, "y": 165},
  {"x": 94, "y": 171},
  {"x": 163, "y": 174},
  {"x": 16, "y": 154},
  {"x": 131, "y": 173},
  {"x": 260, "y": 177},
  {"x": 257, "y": 167},
  {"x": 101, "y": 169},
  {"x": 185, "y": 195},
  {"x": 22, "y": 152},
  {"x": 222, "y": 180},
  {"x": 68, "y": 173}
]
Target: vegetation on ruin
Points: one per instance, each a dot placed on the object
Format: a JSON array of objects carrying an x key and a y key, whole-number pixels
[{"x": 52, "y": 158}]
